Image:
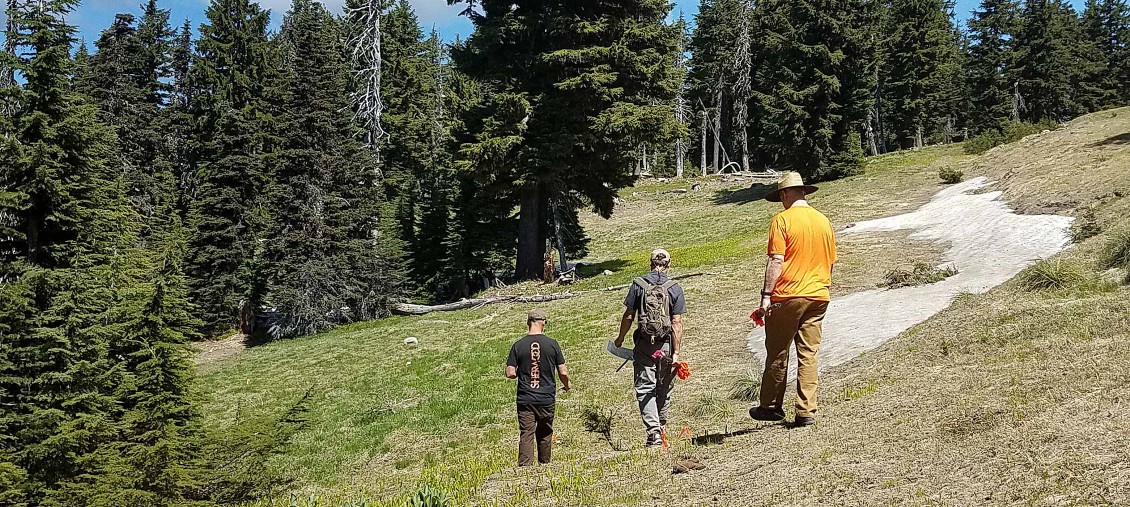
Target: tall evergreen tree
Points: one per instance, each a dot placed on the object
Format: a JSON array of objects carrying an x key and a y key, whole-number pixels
[
  {"x": 1050, "y": 62},
  {"x": 712, "y": 73},
  {"x": 919, "y": 78},
  {"x": 228, "y": 145},
  {"x": 575, "y": 89},
  {"x": 991, "y": 30},
  {"x": 1106, "y": 26},
  {"x": 128, "y": 78},
  {"x": 324, "y": 260},
  {"x": 816, "y": 84}
]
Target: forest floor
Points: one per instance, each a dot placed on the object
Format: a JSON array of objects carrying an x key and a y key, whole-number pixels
[{"x": 1014, "y": 395}]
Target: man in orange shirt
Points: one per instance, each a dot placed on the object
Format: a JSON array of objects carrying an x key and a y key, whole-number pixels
[{"x": 802, "y": 251}]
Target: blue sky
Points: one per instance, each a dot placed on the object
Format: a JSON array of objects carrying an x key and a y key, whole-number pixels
[{"x": 93, "y": 16}]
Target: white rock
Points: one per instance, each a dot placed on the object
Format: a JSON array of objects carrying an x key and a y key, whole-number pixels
[
  {"x": 411, "y": 340},
  {"x": 606, "y": 272}
]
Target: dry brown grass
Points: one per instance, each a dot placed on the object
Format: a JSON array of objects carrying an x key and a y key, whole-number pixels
[{"x": 1009, "y": 397}]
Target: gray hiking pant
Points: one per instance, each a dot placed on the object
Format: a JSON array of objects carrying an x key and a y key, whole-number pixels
[{"x": 653, "y": 387}]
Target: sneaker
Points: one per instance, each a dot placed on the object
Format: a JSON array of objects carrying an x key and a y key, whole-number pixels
[
  {"x": 766, "y": 414},
  {"x": 802, "y": 421},
  {"x": 655, "y": 440}
]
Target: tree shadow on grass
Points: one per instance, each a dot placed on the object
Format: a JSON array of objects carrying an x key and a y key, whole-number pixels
[
  {"x": 1122, "y": 139},
  {"x": 590, "y": 270},
  {"x": 755, "y": 192}
]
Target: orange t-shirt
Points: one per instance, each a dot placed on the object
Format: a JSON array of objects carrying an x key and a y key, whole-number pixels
[{"x": 804, "y": 236}]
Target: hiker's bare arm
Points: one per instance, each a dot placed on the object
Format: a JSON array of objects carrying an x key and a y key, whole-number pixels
[
  {"x": 511, "y": 372},
  {"x": 563, "y": 373},
  {"x": 677, "y": 326},
  {"x": 772, "y": 273},
  {"x": 625, "y": 325}
]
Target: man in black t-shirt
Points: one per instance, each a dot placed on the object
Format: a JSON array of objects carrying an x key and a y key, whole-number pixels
[
  {"x": 534, "y": 360},
  {"x": 654, "y": 379}
]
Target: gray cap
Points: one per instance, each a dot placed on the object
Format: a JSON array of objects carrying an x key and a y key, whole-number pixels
[
  {"x": 660, "y": 257},
  {"x": 537, "y": 314}
]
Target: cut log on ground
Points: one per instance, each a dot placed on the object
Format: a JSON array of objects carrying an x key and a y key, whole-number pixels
[{"x": 414, "y": 309}]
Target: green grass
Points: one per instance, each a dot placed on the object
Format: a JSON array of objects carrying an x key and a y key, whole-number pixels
[
  {"x": 1051, "y": 274},
  {"x": 385, "y": 420},
  {"x": 747, "y": 387}
]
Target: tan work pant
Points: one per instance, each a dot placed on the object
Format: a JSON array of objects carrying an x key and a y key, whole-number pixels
[{"x": 792, "y": 321}]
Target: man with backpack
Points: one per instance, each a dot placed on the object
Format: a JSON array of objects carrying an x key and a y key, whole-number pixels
[{"x": 659, "y": 304}]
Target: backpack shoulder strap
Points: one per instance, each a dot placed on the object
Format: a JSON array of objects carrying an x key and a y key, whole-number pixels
[
  {"x": 669, "y": 283},
  {"x": 643, "y": 283}
]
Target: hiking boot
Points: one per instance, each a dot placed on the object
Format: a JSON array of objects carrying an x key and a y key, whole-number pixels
[
  {"x": 654, "y": 440},
  {"x": 766, "y": 414},
  {"x": 802, "y": 421}
]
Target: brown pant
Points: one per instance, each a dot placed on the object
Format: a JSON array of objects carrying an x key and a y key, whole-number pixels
[
  {"x": 792, "y": 321},
  {"x": 535, "y": 423}
]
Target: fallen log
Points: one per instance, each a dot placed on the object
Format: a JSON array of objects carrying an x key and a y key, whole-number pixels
[
  {"x": 463, "y": 304},
  {"x": 678, "y": 277}
]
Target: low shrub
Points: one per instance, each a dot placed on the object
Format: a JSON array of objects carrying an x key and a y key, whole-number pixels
[
  {"x": 1085, "y": 227},
  {"x": 1010, "y": 132},
  {"x": 1051, "y": 274},
  {"x": 1117, "y": 252},
  {"x": 597, "y": 420},
  {"x": 429, "y": 497},
  {"x": 711, "y": 406},
  {"x": 950, "y": 175},
  {"x": 747, "y": 387},
  {"x": 920, "y": 274}
]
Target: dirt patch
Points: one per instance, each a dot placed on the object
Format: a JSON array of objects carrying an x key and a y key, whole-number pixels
[{"x": 214, "y": 350}]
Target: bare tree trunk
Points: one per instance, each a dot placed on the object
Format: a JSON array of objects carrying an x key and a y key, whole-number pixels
[
  {"x": 1018, "y": 105},
  {"x": 366, "y": 42},
  {"x": 872, "y": 141},
  {"x": 705, "y": 118},
  {"x": 717, "y": 130},
  {"x": 558, "y": 238},
  {"x": 531, "y": 244}
]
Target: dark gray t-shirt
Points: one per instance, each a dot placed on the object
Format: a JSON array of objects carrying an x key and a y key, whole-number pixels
[
  {"x": 536, "y": 358},
  {"x": 634, "y": 299}
]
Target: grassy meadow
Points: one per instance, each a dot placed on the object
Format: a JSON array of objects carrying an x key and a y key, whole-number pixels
[{"x": 1020, "y": 395}]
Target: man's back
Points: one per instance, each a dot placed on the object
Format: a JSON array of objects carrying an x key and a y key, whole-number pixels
[
  {"x": 536, "y": 358},
  {"x": 804, "y": 237}
]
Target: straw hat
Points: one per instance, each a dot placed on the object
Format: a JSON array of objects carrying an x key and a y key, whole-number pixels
[{"x": 789, "y": 180}]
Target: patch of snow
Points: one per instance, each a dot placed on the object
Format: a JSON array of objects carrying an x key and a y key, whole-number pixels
[{"x": 988, "y": 243}]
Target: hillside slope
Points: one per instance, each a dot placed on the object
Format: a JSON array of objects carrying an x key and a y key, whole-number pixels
[{"x": 1013, "y": 396}]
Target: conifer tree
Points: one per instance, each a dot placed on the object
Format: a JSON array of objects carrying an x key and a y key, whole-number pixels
[
  {"x": 920, "y": 59},
  {"x": 1106, "y": 27},
  {"x": 408, "y": 98},
  {"x": 815, "y": 87},
  {"x": 128, "y": 78},
  {"x": 324, "y": 261},
  {"x": 228, "y": 145},
  {"x": 991, "y": 30},
  {"x": 1053, "y": 63},
  {"x": 68, "y": 240},
  {"x": 575, "y": 89},
  {"x": 180, "y": 101},
  {"x": 712, "y": 74}
]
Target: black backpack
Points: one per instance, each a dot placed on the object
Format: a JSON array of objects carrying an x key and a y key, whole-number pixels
[{"x": 655, "y": 308}]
